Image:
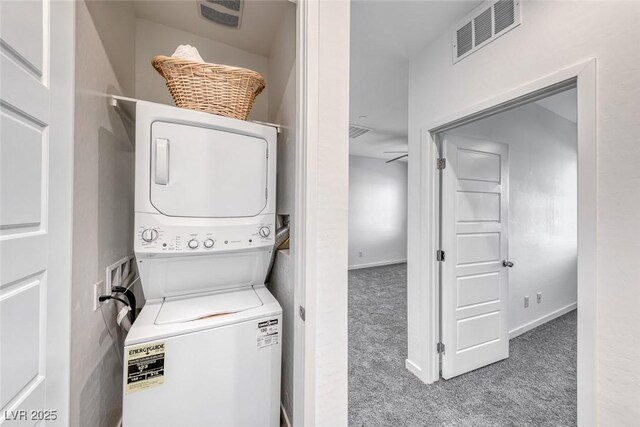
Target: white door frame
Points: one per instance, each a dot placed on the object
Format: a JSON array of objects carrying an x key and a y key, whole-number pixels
[
  {"x": 302, "y": 221},
  {"x": 320, "y": 220},
  {"x": 60, "y": 205},
  {"x": 582, "y": 76}
]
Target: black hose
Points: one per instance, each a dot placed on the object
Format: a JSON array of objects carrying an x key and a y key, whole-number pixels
[
  {"x": 130, "y": 296},
  {"x": 102, "y": 298}
]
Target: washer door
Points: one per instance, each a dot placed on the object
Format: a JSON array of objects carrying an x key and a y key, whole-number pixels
[{"x": 204, "y": 172}]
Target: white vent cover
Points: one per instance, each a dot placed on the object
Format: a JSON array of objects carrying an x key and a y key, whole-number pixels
[
  {"x": 356, "y": 131},
  {"x": 483, "y": 25}
]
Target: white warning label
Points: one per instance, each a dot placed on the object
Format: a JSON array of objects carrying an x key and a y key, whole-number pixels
[
  {"x": 268, "y": 333},
  {"x": 145, "y": 367}
]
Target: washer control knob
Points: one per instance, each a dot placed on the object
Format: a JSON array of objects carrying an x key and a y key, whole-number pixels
[
  {"x": 264, "y": 231},
  {"x": 149, "y": 235},
  {"x": 193, "y": 244},
  {"x": 208, "y": 243}
]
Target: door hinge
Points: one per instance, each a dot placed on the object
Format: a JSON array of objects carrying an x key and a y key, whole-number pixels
[
  {"x": 439, "y": 255},
  {"x": 302, "y": 313},
  {"x": 440, "y": 348},
  {"x": 441, "y": 163}
]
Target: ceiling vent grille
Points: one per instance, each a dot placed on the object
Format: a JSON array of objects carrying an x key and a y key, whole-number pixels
[
  {"x": 464, "y": 36},
  {"x": 356, "y": 131},
  {"x": 484, "y": 25},
  {"x": 223, "y": 12},
  {"x": 503, "y": 15}
]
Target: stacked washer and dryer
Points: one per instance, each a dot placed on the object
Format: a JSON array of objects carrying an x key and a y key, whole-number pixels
[{"x": 206, "y": 348}]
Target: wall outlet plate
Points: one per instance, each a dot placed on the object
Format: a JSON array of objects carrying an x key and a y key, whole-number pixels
[
  {"x": 526, "y": 301},
  {"x": 116, "y": 273},
  {"x": 539, "y": 297},
  {"x": 125, "y": 269},
  {"x": 98, "y": 289}
]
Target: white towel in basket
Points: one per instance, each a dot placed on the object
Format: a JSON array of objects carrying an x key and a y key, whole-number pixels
[{"x": 187, "y": 52}]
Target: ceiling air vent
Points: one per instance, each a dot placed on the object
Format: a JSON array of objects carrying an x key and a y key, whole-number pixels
[
  {"x": 503, "y": 15},
  {"x": 223, "y": 12},
  {"x": 464, "y": 36},
  {"x": 484, "y": 25},
  {"x": 356, "y": 131}
]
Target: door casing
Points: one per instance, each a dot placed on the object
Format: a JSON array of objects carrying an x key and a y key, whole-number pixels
[{"x": 583, "y": 77}]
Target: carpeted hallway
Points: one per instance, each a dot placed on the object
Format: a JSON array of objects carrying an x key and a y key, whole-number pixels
[{"x": 535, "y": 386}]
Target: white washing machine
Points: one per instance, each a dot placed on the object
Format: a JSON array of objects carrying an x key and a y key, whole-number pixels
[{"x": 206, "y": 348}]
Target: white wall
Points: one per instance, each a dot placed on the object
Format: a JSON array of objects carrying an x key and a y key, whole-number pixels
[
  {"x": 102, "y": 205},
  {"x": 282, "y": 110},
  {"x": 156, "y": 39},
  {"x": 281, "y": 62},
  {"x": 377, "y": 212},
  {"x": 542, "y": 208},
  {"x": 556, "y": 35}
]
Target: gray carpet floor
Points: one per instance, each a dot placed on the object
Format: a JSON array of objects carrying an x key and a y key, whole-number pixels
[{"x": 535, "y": 386}]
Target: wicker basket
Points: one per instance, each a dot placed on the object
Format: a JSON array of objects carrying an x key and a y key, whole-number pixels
[{"x": 218, "y": 89}]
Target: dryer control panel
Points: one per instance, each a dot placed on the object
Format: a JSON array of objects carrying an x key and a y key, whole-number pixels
[{"x": 201, "y": 237}]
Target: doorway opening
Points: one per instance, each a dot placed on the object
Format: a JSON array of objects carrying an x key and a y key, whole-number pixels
[
  {"x": 508, "y": 256},
  {"x": 507, "y": 197},
  {"x": 426, "y": 365}
]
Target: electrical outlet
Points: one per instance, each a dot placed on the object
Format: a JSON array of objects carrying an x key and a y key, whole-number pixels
[
  {"x": 539, "y": 297},
  {"x": 359, "y": 254},
  {"x": 526, "y": 301},
  {"x": 98, "y": 289}
]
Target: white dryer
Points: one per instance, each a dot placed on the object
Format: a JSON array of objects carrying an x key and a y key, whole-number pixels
[{"x": 206, "y": 348}]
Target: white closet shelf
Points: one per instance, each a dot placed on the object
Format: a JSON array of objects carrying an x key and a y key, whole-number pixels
[{"x": 127, "y": 107}]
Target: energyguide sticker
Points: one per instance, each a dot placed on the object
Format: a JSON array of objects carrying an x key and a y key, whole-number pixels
[
  {"x": 145, "y": 367},
  {"x": 268, "y": 333}
]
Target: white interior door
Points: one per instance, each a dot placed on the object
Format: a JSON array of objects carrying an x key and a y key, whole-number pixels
[
  {"x": 475, "y": 200},
  {"x": 35, "y": 209}
]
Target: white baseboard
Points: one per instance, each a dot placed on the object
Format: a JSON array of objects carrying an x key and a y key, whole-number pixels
[
  {"x": 377, "y": 264},
  {"x": 284, "y": 416},
  {"x": 544, "y": 319},
  {"x": 413, "y": 368}
]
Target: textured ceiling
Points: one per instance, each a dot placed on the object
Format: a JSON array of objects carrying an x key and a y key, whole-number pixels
[{"x": 384, "y": 36}]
